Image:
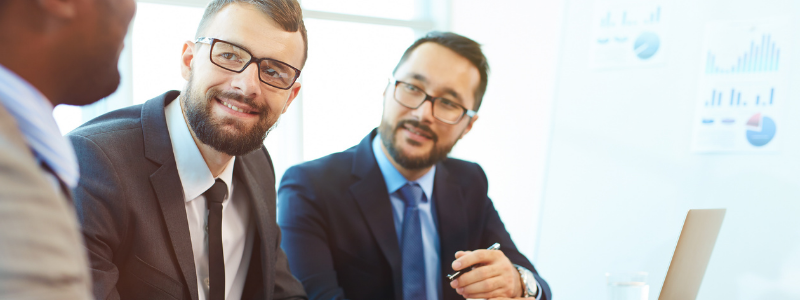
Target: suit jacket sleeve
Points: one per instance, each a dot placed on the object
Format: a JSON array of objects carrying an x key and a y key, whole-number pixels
[
  {"x": 305, "y": 239},
  {"x": 40, "y": 252},
  {"x": 286, "y": 285},
  {"x": 100, "y": 203},
  {"x": 496, "y": 231}
]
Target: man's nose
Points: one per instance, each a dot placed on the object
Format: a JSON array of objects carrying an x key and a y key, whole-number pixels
[
  {"x": 424, "y": 113},
  {"x": 248, "y": 81}
]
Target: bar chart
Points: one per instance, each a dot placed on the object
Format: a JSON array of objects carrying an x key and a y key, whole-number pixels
[
  {"x": 628, "y": 17},
  {"x": 743, "y": 86},
  {"x": 763, "y": 56},
  {"x": 733, "y": 98},
  {"x": 628, "y": 35}
]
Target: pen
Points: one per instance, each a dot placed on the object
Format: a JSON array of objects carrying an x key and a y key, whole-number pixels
[{"x": 495, "y": 246}]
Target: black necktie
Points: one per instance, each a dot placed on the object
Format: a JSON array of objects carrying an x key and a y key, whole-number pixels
[{"x": 216, "y": 260}]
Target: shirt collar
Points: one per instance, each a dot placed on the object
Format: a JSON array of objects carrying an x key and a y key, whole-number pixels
[
  {"x": 195, "y": 176},
  {"x": 34, "y": 117},
  {"x": 394, "y": 180}
]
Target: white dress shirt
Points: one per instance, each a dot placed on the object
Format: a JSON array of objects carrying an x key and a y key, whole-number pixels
[
  {"x": 237, "y": 231},
  {"x": 34, "y": 117}
]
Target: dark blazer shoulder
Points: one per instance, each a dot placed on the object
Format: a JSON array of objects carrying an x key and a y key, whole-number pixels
[
  {"x": 328, "y": 167},
  {"x": 464, "y": 173},
  {"x": 121, "y": 119},
  {"x": 330, "y": 162}
]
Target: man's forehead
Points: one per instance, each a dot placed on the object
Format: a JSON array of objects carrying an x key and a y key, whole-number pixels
[{"x": 247, "y": 26}]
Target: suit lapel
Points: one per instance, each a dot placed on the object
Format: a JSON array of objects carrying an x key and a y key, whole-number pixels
[
  {"x": 453, "y": 224},
  {"x": 167, "y": 185},
  {"x": 261, "y": 213},
  {"x": 373, "y": 200}
]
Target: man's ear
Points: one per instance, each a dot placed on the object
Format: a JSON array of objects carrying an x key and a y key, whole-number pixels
[
  {"x": 186, "y": 60},
  {"x": 292, "y": 94},
  {"x": 469, "y": 126},
  {"x": 62, "y": 9}
]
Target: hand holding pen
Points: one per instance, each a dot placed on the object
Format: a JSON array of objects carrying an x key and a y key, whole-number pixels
[{"x": 485, "y": 274}]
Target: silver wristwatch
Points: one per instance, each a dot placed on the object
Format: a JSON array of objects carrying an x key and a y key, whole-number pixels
[{"x": 529, "y": 286}]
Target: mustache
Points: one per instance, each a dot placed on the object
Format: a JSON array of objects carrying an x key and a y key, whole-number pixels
[
  {"x": 216, "y": 93},
  {"x": 420, "y": 127}
]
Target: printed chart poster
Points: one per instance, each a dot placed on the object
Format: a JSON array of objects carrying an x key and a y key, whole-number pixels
[
  {"x": 742, "y": 87},
  {"x": 627, "y": 36}
]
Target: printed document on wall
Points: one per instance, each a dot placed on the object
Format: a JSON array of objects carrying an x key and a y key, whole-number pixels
[
  {"x": 627, "y": 36},
  {"x": 743, "y": 85}
]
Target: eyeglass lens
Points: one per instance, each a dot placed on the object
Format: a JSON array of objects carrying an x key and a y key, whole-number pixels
[
  {"x": 235, "y": 59},
  {"x": 443, "y": 109}
]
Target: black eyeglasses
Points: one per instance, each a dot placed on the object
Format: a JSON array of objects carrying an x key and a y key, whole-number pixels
[
  {"x": 443, "y": 109},
  {"x": 236, "y": 59}
]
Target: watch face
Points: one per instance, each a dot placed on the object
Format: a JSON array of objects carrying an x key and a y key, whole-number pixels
[{"x": 530, "y": 282}]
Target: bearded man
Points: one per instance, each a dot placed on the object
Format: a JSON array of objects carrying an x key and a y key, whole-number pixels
[
  {"x": 382, "y": 220},
  {"x": 177, "y": 200}
]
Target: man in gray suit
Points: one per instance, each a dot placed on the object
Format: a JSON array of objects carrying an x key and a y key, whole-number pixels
[
  {"x": 177, "y": 197},
  {"x": 51, "y": 52}
]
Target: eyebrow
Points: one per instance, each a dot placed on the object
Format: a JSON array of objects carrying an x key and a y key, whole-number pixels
[{"x": 447, "y": 90}]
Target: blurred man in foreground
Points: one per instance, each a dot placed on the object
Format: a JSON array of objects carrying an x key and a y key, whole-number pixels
[
  {"x": 178, "y": 197},
  {"x": 51, "y": 52},
  {"x": 383, "y": 219}
]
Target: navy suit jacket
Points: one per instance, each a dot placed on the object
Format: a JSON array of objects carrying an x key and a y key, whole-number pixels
[{"x": 339, "y": 232}]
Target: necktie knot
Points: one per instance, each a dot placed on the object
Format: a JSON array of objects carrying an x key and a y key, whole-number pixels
[
  {"x": 216, "y": 193},
  {"x": 411, "y": 194}
]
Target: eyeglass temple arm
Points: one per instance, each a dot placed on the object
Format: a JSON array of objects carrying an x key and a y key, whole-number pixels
[{"x": 204, "y": 40}]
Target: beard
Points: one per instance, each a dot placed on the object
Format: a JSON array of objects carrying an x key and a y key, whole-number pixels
[
  {"x": 389, "y": 139},
  {"x": 210, "y": 130}
]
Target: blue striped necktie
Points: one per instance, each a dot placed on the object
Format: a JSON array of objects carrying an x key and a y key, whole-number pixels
[{"x": 411, "y": 244}]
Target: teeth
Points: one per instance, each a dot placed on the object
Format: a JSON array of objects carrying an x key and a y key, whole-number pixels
[
  {"x": 233, "y": 107},
  {"x": 414, "y": 131}
]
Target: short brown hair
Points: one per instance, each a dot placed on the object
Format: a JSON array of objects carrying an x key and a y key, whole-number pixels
[
  {"x": 461, "y": 45},
  {"x": 287, "y": 13}
]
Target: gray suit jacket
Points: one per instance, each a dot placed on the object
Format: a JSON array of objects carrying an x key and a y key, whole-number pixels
[
  {"x": 130, "y": 202},
  {"x": 41, "y": 253}
]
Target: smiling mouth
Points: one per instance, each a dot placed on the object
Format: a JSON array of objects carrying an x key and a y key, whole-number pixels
[
  {"x": 235, "y": 108},
  {"x": 416, "y": 131}
]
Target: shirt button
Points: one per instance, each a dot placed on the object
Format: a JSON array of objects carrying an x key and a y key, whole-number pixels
[{"x": 206, "y": 282}]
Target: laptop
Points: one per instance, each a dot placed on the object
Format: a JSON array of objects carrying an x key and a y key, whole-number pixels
[{"x": 692, "y": 254}]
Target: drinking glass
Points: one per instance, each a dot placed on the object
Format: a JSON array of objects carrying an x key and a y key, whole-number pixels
[{"x": 627, "y": 286}]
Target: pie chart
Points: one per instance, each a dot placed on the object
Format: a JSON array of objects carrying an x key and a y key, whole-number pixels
[
  {"x": 760, "y": 130},
  {"x": 646, "y": 45}
]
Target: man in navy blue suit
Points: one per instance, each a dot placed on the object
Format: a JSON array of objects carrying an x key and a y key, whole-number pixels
[{"x": 382, "y": 220}]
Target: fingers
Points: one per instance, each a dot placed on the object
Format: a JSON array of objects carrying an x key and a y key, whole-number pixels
[
  {"x": 493, "y": 275},
  {"x": 488, "y": 288},
  {"x": 474, "y": 258},
  {"x": 476, "y": 275}
]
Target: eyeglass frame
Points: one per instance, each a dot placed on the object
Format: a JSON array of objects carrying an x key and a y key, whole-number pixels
[
  {"x": 468, "y": 112},
  {"x": 253, "y": 59}
]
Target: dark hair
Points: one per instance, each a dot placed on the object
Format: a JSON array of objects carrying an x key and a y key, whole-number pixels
[
  {"x": 462, "y": 45},
  {"x": 287, "y": 13}
]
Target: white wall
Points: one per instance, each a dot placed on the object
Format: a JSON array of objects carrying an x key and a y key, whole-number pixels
[
  {"x": 622, "y": 175},
  {"x": 521, "y": 41}
]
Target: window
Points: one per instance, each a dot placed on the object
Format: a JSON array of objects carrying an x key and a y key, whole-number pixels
[{"x": 353, "y": 47}]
